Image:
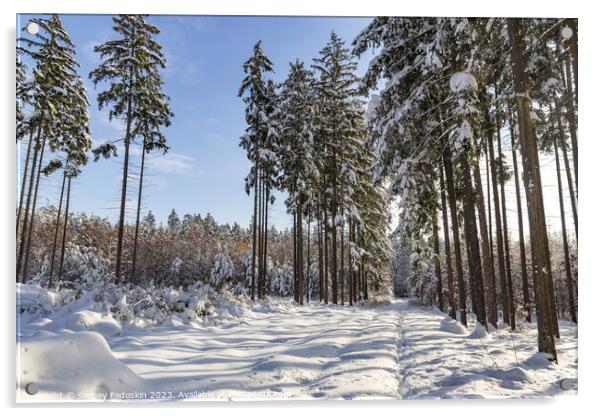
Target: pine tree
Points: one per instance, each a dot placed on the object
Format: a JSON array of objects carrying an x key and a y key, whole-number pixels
[
  {"x": 129, "y": 64},
  {"x": 258, "y": 100},
  {"x": 60, "y": 117}
]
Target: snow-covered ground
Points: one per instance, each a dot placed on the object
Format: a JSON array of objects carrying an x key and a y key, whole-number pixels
[{"x": 278, "y": 350}]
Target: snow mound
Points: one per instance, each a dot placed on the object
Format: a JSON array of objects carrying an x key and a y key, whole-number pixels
[
  {"x": 538, "y": 360},
  {"x": 85, "y": 320},
  {"x": 72, "y": 366},
  {"x": 452, "y": 326},
  {"x": 479, "y": 332}
]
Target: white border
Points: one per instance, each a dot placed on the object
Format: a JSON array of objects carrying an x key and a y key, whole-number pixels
[{"x": 590, "y": 189}]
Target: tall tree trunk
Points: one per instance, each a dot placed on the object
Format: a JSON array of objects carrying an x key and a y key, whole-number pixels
[
  {"x": 254, "y": 252},
  {"x": 342, "y": 258},
  {"x": 56, "y": 229},
  {"x": 124, "y": 179},
  {"x": 62, "y": 262},
  {"x": 565, "y": 243},
  {"x": 572, "y": 23},
  {"x": 488, "y": 126},
  {"x": 490, "y": 294},
  {"x": 521, "y": 234},
  {"x": 451, "y": 193},
  {"x": 572, "y": 118},
  {"x": 567, "y": 167},
  {"x": 33, "y": 212},
  {"x": 320, "y": 251},
  {"x": 295, "y": 258},
  {"x": 489, "y": 217},
  {"x": 435, "y": 224},
  {"x": 307, "y": 288},
  {"x": 533, "y": 190},
  {"x": 137, "y": 229},
  {"x": 261, "y": 237},
  {"x": 300, "y": 248},
  {"x": 265, "y": 242},
  {"x": 335, "y": 299},
  {"x": 448, "y": 260},
  {"x": 22, "y": 244},
  {"x": 25, "y": 169},
  {"x": 326, "y": 258},
  {"x": 472, "y": 241},
  {"x": 505, "y": 231}
]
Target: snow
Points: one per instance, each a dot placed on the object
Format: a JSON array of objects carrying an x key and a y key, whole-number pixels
[
  {"x": 462, "y": 81},
  {"x": 276, "y": 349},
  {"x": 566, "y": 32}
]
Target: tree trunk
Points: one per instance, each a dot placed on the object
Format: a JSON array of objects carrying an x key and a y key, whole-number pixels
[
  {"x": 261, "y": 237},
  {"x": 295, "y": 259},
  {"x": 451, "y": 193},
  {"x": 533, "y": 189},
  {"x": 56, "y": 229},
  {"x": 33, "y": 212},
  {"x": 572, "y": 23},
  {"x": 25, "y": 169},
  {"x": 521, "y": 235},
  {"x": 488, "y": 126},
  {"x": 472, "y": 241},
  {"x": 335, "y": 299},
  {"x": 320, "y": 250},
  {"x": 342, "y": 273},
  {"x": 265, "y": 242},
  {"x": 254, "y": 252},
  {"x": 567, "y": 167},
  {"x": 490, "y": 294},
  {"x": 137, "y": 229},
  {"x": 572, "y": 118},
  {"x": 300, "y": 248},
  {"x": 565, "y": 243},
  {"x": 437, "y": 260},
  {"x": 509, "y": 284},
  {"x": 307, "y": 288},
  {"x": 448, "y": 260},
  {"x": 326, "y": 258},
  {"x": 489, "y": 217},
  {"x": 34, "y": 165},
  {"x": 62, "y": 262}
]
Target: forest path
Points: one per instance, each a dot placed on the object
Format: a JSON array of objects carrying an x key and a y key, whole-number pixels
[{"x": 279, "y": 350}]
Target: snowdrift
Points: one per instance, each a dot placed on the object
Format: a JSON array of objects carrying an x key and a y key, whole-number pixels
[{"x": 78, "y": 366}]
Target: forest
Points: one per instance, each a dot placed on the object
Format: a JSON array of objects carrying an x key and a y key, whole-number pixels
[{"x": 446, "y": 130}]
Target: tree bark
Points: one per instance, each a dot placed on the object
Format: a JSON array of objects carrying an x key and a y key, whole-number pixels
[
  {"x": 534, "y": 194},
  {"x": 505, "y": 229},
  {"x": 137, "y": 229},
  {"x": 56, "y": 229},
  {"x": 33, "y": 212},
  {"x": 25, "y": 169},
  {"x": 62, "y": 262},
  {"x": 254, "y": 252},
  {"x": 472, "y": 241},
  {"x": 437, "y": 260},
  {"x": 451, "y": 289},
  {"x": 521, "y": 234},
  {"x": 34, "y": 165},
  {"x": 451, "y": 193},
  {"x": 565, "y": 243},
  {"x": 496, "y": 209},
  {"x": 490, "y": 294}
]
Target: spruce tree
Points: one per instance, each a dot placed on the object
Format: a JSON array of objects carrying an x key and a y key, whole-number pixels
[{"x": 129, "y": 66}]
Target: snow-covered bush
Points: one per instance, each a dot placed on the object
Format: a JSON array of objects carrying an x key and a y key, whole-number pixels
[
  {"x": 222, "y": 272},
  {"x": 281, "y": 280}
]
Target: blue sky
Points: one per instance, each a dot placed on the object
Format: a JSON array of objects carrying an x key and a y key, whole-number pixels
[{"x": 204, "y": 169}]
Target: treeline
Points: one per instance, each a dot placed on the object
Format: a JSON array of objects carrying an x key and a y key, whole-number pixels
[
  {"x": 185, "y": 251},
  {"x": 307, "y": 138},
  {"x": 451, "y": 87}
]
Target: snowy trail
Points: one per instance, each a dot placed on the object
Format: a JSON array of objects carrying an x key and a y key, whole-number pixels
[
  {"x": 285, "y": 352},
  {"x": 280, "y": 350}
]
